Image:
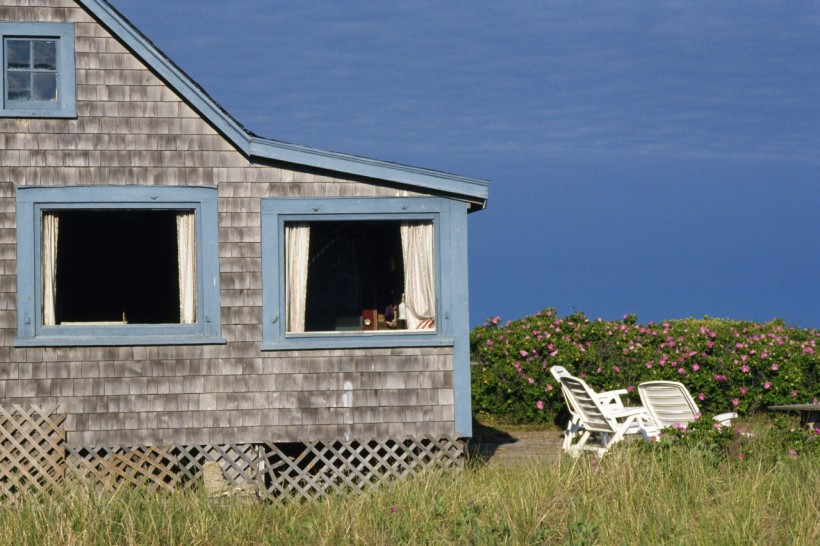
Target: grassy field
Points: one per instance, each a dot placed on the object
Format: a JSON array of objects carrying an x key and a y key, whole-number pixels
[{"x": 761, "y": 495}]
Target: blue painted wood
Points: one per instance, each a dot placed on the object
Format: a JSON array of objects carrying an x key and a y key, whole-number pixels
[
  {"x": 460, "y": 319},
  {"x": 473, "y": 190},
  {"x": 66, "y": 105},
  {"x": 32, "y": 201}
]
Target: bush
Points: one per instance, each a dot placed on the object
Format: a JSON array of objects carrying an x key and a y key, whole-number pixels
[{"x": 726, "y": 364}]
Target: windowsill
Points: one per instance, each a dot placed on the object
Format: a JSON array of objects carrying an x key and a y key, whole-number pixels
[
  {"x": 118, "y": 340},
  {"x": 34, "y": 113},
  {"x": 358, "y": 340}
]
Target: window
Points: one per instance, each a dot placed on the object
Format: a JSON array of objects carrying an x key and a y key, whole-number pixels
[
  {"x": 37, "y": 70},
  {"x": 359, "y": 275},
  {"x": 117, "y": 266},
  {"x": 355, "y": 272}
]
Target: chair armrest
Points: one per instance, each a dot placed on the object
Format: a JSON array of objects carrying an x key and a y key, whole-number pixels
[
  {"x": 725, "y": 418},
  {"x": 612, "y": 397}
]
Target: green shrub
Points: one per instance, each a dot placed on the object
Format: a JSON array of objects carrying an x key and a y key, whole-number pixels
[{"x": 726, "y": 364}]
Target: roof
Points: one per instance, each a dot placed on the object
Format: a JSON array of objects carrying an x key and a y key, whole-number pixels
[{"x": 471, "y": 190}]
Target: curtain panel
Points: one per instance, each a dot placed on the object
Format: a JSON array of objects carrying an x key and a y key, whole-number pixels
[{"x": 418, "y": 249}]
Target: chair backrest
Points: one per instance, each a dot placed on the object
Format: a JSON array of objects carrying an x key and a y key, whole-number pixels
[
  {"x": 668, "y": 402},
  {"x": 558, "y": 372},
  {"x": 586, "y": 405}
]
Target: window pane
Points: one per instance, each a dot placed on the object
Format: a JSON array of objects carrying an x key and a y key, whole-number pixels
[
  {"x": 355, "y": 276},
  {"x": 45, "y": 54},
  {"x": 18, "y": 54},
  {"x": 115, "y": 264},
  {"x": 19, "y": 86},
  {"x": 45, "y": 87}
]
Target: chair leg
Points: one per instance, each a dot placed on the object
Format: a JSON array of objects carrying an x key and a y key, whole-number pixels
[{"x": 572, "y": 430}]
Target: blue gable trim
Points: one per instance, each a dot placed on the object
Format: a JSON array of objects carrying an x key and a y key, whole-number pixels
[{"x": 467, "y": 189}]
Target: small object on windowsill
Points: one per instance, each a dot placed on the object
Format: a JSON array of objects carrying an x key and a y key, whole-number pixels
[
  {"x": 370, "y": 319},
  {"x": 390, "y": 318}
]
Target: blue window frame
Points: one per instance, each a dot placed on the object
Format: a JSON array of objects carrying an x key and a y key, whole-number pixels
[
  {"x": 38, "y": 70},
  {"x": 354, "y": 218},
  {"x": 66, "y": 276}
]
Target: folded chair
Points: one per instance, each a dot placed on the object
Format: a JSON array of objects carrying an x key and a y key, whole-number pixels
[
  {"x": 607, "y": 423},
  {"x": 670, "y": 403},
  {"x": 573, "y": 429}
]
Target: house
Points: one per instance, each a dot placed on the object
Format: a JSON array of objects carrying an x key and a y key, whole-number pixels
[{"x": 169, "y": 278}]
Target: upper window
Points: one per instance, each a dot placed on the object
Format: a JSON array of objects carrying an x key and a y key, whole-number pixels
[
  {"x": 38, "y": 70},
  {"x": 354, "y": 272},
  {"x": 117, "y": 266}
]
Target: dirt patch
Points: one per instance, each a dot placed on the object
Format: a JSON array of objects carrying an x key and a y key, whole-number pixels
[{"x": 516, "y": 447}]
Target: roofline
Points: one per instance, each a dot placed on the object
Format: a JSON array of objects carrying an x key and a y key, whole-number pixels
[{"x": 473, "y": 190}]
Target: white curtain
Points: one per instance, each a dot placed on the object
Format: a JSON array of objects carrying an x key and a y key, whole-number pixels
[
  {"x": 417, "y": 244},
  {"x": 51, "y": 228},
  {"x": 297, "y": 246},
  {"x": 186, "y": 249}
]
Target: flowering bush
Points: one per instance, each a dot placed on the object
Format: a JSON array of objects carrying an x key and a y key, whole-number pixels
[{"x": 725, "y": 364}]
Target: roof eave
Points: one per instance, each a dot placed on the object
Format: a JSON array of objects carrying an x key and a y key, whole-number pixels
[{"x": 471, "y": 189}]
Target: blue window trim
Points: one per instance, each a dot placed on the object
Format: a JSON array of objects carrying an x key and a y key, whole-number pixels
[
  {"x": 275, "y": 212},
  {"x": 32, "y": 201},
  {"x": 65, "y": 106}
]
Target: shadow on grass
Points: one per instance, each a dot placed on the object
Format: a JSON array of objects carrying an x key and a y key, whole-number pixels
[
  {"x": 492, "y": 435},
  {"x": 486, "y": 441}
]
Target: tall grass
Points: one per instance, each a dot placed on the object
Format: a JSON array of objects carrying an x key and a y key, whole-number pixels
[{"x": 631, "y": 496}]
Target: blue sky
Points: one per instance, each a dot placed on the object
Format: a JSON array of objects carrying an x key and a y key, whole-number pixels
[{"x": 657, "y": 158}]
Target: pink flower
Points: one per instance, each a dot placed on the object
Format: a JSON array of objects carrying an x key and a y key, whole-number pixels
[
  {"x": 617, "y": 369},
  {"x": 742, "y": 390},
  {"x": 794, "y": 394},
  {"x": 648, "y": 365},
  {"x": 701, "y": 397},
  {"x": 490, "y": 343},
  {"x": 523, "y": 353},
  {"x": 549, "y": 388},
  {"x": 741, "y": 456},
  {"x": 718, "y": 426},
  {"x": 774, "y": 367},
  {"x": 539, "y": 405},
  {"x": 530, "y": 380},
  {"x": 744, "y": 368},
  {"x": 792, "y": 454},
  {"x": 681, "y": 370},
  {"x": 735, "y": 401},
  {"x": 630, "y": 388},
  {"x": 495, "y": 320},
  {"x": 696, "y": 367},
  {"x": 767, "y": 385}
]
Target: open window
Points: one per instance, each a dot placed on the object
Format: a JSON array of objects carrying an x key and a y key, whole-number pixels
[
  {"x": 352, "y": 272},
  {"x": 360, "y": 275},
  {"x": 118, "y": 265},
  {"x": 38, "y": 70},
  {"x": 121, "y": 266}
]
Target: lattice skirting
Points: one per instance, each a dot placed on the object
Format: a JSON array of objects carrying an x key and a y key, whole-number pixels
[
  {"x": 32, "y": 454},
  {"x": 34, "y": 457}
]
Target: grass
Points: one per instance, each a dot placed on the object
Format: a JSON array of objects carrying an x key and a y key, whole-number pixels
[{"x": 635, "y": 495}]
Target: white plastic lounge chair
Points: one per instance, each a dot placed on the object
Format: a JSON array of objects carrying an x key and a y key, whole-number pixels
[
  {"x": 670, "y": 403},
  {"x": 607, "y": 422},
  {"x": 610, "y": 398}
]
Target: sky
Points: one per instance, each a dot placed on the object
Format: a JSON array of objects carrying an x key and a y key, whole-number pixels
[{"x": 650, "y": 157}]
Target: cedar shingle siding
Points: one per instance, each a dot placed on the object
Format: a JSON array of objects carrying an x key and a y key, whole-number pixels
[{"x": 132, "y": 129}]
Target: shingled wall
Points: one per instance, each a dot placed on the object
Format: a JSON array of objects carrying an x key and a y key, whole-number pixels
[{"x": 132, "y": 129}]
